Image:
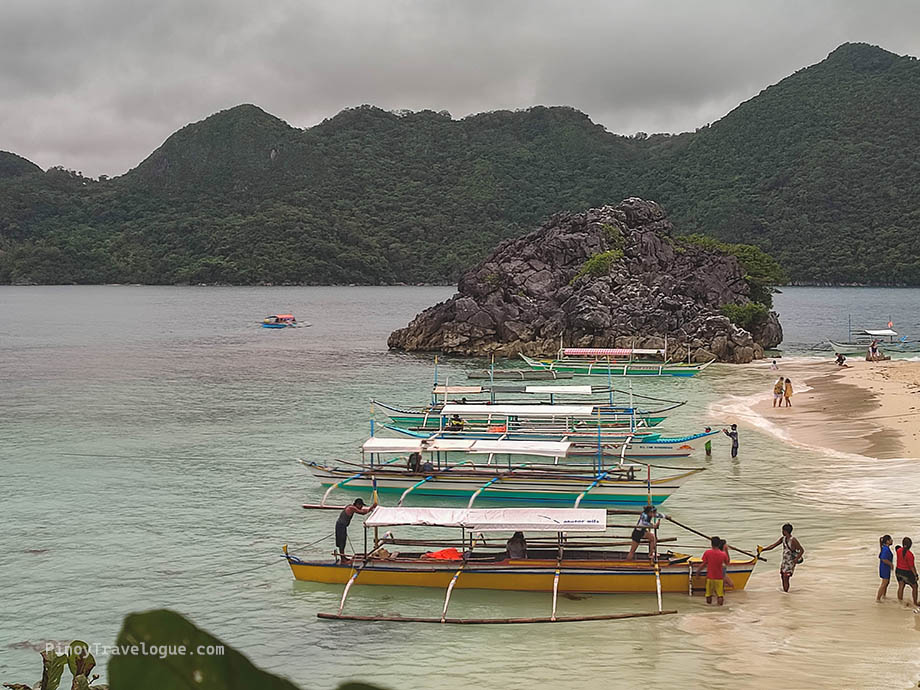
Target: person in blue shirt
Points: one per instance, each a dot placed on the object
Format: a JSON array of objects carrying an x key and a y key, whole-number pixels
[{"x": 886, "y": 563}]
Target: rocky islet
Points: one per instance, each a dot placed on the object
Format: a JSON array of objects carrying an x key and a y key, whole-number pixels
[{"x": 613, "y": 276}]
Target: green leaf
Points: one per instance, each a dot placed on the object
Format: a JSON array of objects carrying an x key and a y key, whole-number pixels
[
  {"x": 164, "y": 629},
  {"x": 80, "y": 683},
  {"x": 52, "y": 669},
  {"x": 80, "y": 661}
]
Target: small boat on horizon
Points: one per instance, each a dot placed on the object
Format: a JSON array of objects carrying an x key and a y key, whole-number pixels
[{"x": 280, "y": 321}]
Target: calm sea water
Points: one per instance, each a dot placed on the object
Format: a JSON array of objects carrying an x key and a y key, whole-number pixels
[{"x": 148, "y": 446}]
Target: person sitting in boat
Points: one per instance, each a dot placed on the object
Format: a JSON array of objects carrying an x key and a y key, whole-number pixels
[
  {"x": 415, "y": 462},
  {"x": 517, "y": 546},
  {"x": 645, "y": 529},
  {"x": 455, "y": 423},
  {"x": 341, "y": 525},
  {"x": 427, "y": 466}
]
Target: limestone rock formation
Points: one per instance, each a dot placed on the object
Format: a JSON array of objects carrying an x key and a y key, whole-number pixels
[{"x": 609, "y": 277}]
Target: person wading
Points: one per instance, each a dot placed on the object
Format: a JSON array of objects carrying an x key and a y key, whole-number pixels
[
  {"x": 341, "y": 525},
  {"x": 792, "y": 554},
  {"x": 733, "y": 435}
]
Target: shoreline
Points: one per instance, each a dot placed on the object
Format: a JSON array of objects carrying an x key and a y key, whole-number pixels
[{"x": 868, "y": 409}]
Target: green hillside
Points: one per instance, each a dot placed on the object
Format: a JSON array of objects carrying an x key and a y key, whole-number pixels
[{"x": 817, "y": 170}]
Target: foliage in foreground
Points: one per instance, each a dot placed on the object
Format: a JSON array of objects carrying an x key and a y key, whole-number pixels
[{"x": 164, "y": 631}]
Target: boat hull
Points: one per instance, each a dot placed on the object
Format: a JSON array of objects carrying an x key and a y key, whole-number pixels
[
  {"x": 520, "y": 575},
  {"x": 508, "y": 487}
]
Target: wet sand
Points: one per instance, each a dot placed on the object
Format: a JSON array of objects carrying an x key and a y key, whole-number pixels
[{"x": 867, "y": 408}]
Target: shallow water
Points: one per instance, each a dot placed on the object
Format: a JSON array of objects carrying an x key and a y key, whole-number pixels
[{"x": 148, "y": 445}]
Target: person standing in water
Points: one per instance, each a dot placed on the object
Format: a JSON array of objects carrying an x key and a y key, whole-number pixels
[
  {"x": 778, "y": 392},
  {"x": 708, "y": 445},
  {"x": 787, "y": 393},
  {"x": 886, "y": 563},
  {"x": 341, "y": 525},
  {"x": 792, "y": 554},
  {"x": 714, "y": 561},
  {"x": 906, "y": 572},
  {"x": 733, "y": 435}
]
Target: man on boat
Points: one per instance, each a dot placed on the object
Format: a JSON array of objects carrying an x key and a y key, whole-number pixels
[
  {"x": 645, "y": 529},
  {"x": 733, "y": 435},
  {"x": 455, "y": 423},
  {"x": 517, "y": 546},
  {"x": 714, "y": 561},
  {"x": 341, "y": 525}
]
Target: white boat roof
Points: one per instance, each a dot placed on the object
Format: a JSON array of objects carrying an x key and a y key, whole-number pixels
[
  {"x": 449, "y": 390},
  {"x": 882, "y": 332},
  {"x": 608, "y": 351},
  {"x": 555, "y": 390},
  {"x": 518, "y": 410},
  {"x": 493, "y": 519},
  {"x": 551, "y": 449}
]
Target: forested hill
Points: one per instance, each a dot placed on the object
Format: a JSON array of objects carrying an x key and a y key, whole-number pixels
[{"x": 819, "y": 170}]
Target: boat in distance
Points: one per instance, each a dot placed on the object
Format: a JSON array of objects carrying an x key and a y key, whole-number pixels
[
  {"x": 612, "y": 362},
  {"x": 280, "y": 321}
]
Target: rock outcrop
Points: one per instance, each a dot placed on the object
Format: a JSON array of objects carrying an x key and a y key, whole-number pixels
[{"x": 609, "y": 277}]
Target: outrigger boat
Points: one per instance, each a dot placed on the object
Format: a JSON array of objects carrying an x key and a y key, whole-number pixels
[
  {"x": 637, "y": 443},
  {"x": 567, "y": 550},
  {"x": 280, "y": 321},
  {"x": 610, "y": 362},
  {"x": 454, "y": 471},
  {"x": 437, "y": 417},
  {"x": 540, "y": 402},
  {"x": 863, "y": 340}
]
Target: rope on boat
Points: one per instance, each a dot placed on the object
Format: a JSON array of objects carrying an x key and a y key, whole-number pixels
[{"x": 273, "y": 562}]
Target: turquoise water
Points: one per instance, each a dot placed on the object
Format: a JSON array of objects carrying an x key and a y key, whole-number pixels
[{"x": 148, "y": 447}]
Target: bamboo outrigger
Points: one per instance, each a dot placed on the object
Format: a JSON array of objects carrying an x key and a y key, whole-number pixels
[{"x": 572, "y": 554}]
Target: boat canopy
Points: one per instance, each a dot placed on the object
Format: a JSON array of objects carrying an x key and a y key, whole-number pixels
[
  {"x": 886, "y": 332},
  {"x": 493, "y": 519},
  {"x": 464, "y": 410},
  {"x": 607, "y": 351},
  {"x": 450, "y": 390},
  {"x": 556, "y": 390},
  {"x": 551, "y": 449}
]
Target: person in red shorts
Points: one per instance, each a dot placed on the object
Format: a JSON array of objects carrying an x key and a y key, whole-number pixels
[{"x": 714, "y": 561}]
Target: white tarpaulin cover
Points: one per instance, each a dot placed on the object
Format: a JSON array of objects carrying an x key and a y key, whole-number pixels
[
  {"x": 883, "y": 332},
  {"x": 377, "y": 444},
  {"x": 570, "y": 390},
  {"x": 493, "y": 519},
  {"x": 499, "y": 411},
  {"x": 450, "y": 390},
  {"x": 551, "y": 449}
]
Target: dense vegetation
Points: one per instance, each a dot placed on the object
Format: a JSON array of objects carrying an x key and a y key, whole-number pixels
[{"x": 817, "y": 170}]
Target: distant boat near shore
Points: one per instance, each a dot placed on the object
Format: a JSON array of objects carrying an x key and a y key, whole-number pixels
[{"x": 281, "y": 321}]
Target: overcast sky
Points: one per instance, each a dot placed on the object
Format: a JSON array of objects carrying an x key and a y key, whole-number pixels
[{"x": 96, "y": 85}]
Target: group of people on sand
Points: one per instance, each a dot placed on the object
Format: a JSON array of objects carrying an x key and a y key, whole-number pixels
[
  {"x": 902, "y": 562},
  {"x": 782, "y": 392}
]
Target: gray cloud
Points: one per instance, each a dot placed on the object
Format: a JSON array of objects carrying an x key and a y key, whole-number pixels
[{"x": 96, "y": 85}]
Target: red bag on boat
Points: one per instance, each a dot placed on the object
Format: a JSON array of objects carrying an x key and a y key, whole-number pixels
[{"x": 450, "y": 554}]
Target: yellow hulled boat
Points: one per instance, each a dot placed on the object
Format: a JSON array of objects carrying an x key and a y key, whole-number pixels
[{"x": 566, "y": 551}]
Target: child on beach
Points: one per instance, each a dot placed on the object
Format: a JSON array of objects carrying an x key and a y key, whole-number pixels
[
  {"x": 714, "y": 561},
  {"x": 728, "y": 580},
  {"x": 787, "y": 393},
  {"x": 778, "y": 392},
  {"x": 885, "y": 565},
  {"x": 906, "y": 572}
]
